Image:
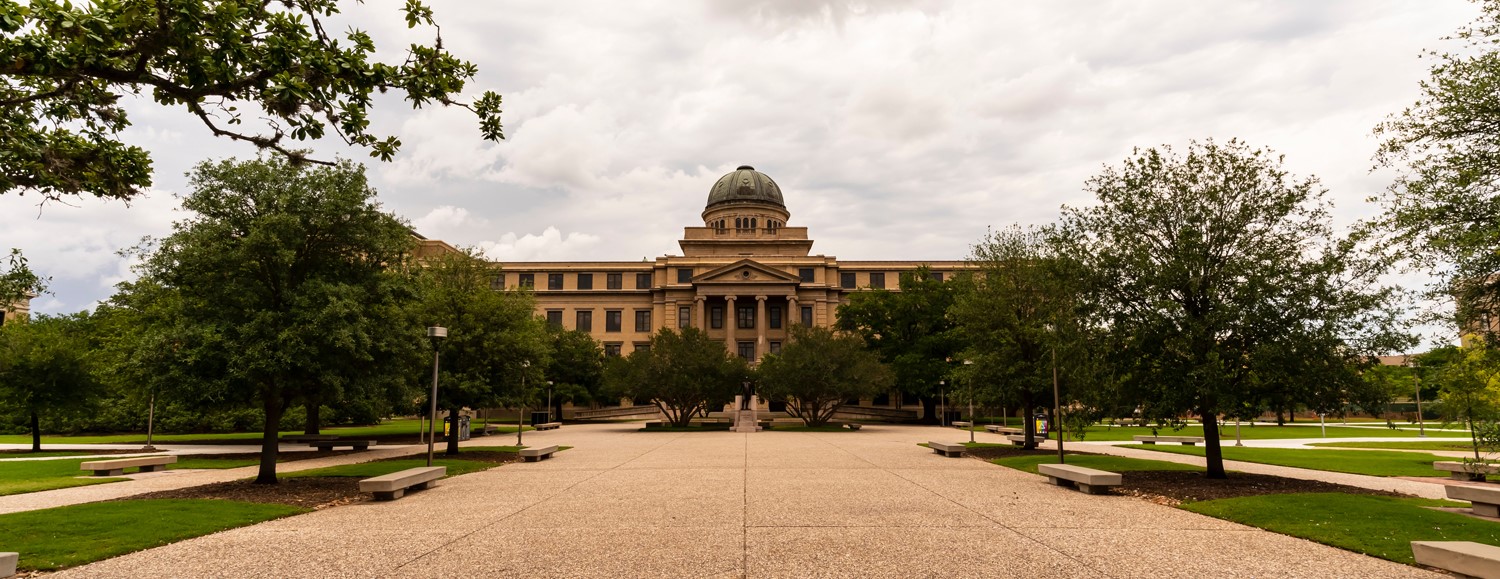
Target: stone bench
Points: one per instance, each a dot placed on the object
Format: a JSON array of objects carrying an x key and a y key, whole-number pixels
[
  {"x": 1460, "y": 471},
  {"x": 327, "y": 445},
  {"x": 853, "y": 425},
  {"x": 1184, "y": 440},
  {"x": 654, "y": 424},
  {"x": 997, "y": 429},
  {"x": 490, "y": 428},
  {"x": 547, "y": 425},
  {"x": 1485, "y": 500},
  {"x": 389, "y": 487},
  {"x": 8, "y": 563},
  {"x": 1020, "y": 439},
  {"x": 948, "y": 450},
  {"x": 962, "y": 424},
  {"x": 308, "y": 437},
  {"x": 1463, "y": 557},
  {"x": 1090, "y": 480},
  {"x": 538, "y": 453},
  {"x": 117, "y": 466}
]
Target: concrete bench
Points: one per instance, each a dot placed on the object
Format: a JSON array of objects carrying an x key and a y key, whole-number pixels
[
  {"x": 961, "y": 424},
  {"x": 853, "y": 425},
  {"x": 1020, "y": 439},
  {"x": 997, "y": 429},
  {"x": 654, "y": 424},
  {"x": 327, "y": 445},
  {"x": 1090, "y": 480},
  {"x": 490, "y": 428},
  {"x": 8, "y": 563},
  {"x": 1463, "y": 557},
  {"x": 308, "y": 437},
  {"x": 538, "y": 453},
  {"x": 117, "y": 466},
  {"x": 547, "y": 425},
  {"x": 1485, "y": 500},
  {"x": 1460, "y": 471},
  {"x": 948, "y": 450},
  {"x": 388, "y": 487},
  {"x": 1184, "y": 440}
]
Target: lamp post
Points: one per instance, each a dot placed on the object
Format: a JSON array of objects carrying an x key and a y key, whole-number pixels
[
  {"x": 150, "y": 422},
  {"x": 549, "y": 402},
  {"x": 1322, "y": 425},
  {"x": 1421, "y": 426},
  {"x": 1056, "y": 396},
  {"x": 434, "y": 333},
  {"x": 521, "y": 403},
  {"x": 1237, "y": 433},
  {"x": 970, "y": 384},
  {"x": 942, "y": 402}
]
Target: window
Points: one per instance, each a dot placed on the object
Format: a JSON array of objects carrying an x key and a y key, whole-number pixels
[
  {"x": 774, "y": 313},
  {"x": 806, "y": 273},
  {"x": 846, "y": 280},
  {"x": 643, "y": 320},
  {"x": 554, "y": 317},
  {"x": 684, "y": 275},
  {"x": 585, "y": 281},
  {"x": 747, "y": 350},
  {"x": 745, "y": 317},
  {"x": 807, "y": 315},
  {"x": 877, "y": 280},
  {"x": 935, "y": 276},
  {"x": 585, "y": 321},
  {"x": 611, "y": 349},
  {"x": 614, "y": 281},
  {"x": 497, "y": 281},
  {"x": 528, "y": 280},
  {"x": 643, "y": 281},
  {"x": 554, "y": 281},
  {"x": 716, "y": 317},
  {"x": 643, "y": 347},
  {"x": 612, "y": 320},
  {"x": 775, "y": 347},
  {"x": 684, "y": 317}
]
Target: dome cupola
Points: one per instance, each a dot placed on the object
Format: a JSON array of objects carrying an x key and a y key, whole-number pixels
[{"x": 745, "y": 185}]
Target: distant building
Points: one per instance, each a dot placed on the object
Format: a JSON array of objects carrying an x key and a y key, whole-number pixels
[
  {"x": 15, "y": 311},
  {"x": 745, "y": 276}
]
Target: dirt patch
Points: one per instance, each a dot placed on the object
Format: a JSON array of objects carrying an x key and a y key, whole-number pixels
[
  {"x": 280, "y": 456},
  {"x": 306, "y": 492},
  {"x": 1174, "y": 487}
]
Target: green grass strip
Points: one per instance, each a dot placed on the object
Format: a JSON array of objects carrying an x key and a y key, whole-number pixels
[
  {"x": 50, "y": 539},
  {"x": 1377, "y": 526},
  {"x": 29, "y": 476},
  {"x": 1367, "y": 462},
  {"x": 45, "y": 453},
  {"x": 1459, "y": 445},
  {"x": 1028, "y": 463},
  {"x": 1260, "y": 432}
]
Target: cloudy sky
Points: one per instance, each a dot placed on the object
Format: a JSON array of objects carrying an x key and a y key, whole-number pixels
[{"x": 896, "y": 129}]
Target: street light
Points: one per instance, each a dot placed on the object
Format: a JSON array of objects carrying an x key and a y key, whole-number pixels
[
  {"x": 434, "y": 333},
  {"x": 942, "y": 402},
  {"x": 549, "y": 402},
  {"x": 1056, "y": 396},
  {"x": 150, "y": 422},
  {"x": 521, "y": 403},
  {"x": 971, "y": 401}
]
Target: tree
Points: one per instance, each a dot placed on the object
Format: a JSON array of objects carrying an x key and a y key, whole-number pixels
[
  {"x": 1443, "y": 209},
  {"x": 911, "y": 331},
  {"x": 66, "y": 68},
  {"x": 18, "y": 282},
  {"x": 494, "y": 341},
  {"x": 1202, "y": 261},
  {"x": 684, "y": 374},
  {"x": 1469, "y": 390},
  {"x": 576, "y": 368},
  {"x": 1020, "y": 306},
  {"x": 279, "y": 288},
  {"x": 818, "y": 370},
  {"x": 1380, "y": 385},
  {"x": 45, "y": 368}
]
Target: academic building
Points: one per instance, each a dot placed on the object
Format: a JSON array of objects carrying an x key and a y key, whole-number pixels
[{"x": 745, "y": 275}]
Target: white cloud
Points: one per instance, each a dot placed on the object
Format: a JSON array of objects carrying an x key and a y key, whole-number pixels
[{"x": 550, "y": 245}]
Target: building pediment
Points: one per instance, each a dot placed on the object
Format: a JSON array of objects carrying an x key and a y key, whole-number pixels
[{"x": 745, "y": 271}]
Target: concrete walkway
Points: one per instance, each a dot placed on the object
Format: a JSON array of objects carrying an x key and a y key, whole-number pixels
[{"x": 870, "y": 503}]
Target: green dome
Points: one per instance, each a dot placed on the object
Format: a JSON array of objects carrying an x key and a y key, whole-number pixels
[{"x": 745, "y": 185}]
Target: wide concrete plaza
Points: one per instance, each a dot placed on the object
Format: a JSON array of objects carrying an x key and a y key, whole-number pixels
[{"x": 624, "y": 503}]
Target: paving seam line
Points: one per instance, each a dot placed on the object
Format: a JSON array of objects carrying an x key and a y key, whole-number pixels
[
  {"x": 528, "y": 507},
  {"x": 745, "y": 510},
  {"x": 1027, "y": 537}
]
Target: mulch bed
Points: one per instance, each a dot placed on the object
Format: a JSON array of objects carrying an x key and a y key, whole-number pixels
[
  {"x": 1174, "y": 487},
  {"x": 306, "y": 492}
]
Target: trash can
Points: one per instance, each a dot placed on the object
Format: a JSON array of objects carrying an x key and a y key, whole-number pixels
[
  {"x": 463, "y": 427},
  {"x": 539, "y": 417}
]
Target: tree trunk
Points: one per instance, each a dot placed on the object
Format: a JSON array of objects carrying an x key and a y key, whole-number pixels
[
  {"x": 36, "y": 432},
  {"x": 452, "y": 432},
  {"x": 268, "y": 442},
  {"x": 1211, "y": 450},
  {"x": 1028, "y": 426},
  {"x": 1280, "y": 419},
  {"x": 929, "y": 409},
  {"x": 314, "y": 419}
]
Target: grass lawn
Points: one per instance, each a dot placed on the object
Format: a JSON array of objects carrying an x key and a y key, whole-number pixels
[
  {"x": 29, "y": 454},
  {"x": 1378, "y": 526},
  {"x": 1262, "y": 432},
  {"x": 1369, "y": 462},
  {"x": 1461, "y": 445},
  {"x": 29, "y": 476},
  {"x": 73, "y": 535},
  {"x": 190, "y": 462},
  {"x": 1110, "y": 463},
  {"x": 387, "y": 428}
]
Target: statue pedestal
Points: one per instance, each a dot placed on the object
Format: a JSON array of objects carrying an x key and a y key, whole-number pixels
[{"x": 745, "y": 420}]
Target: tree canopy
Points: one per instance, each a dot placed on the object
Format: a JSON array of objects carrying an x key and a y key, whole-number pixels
[
  {"x": 46, "y": 366},
  {"x": 685, "y": 374},
  {"x": 1205, "y": 260},
  {"x": 818, "y": 370},
  {"x": 18, "y": 282},
  {"x": 65, "y": 69},
  {"x": 910, "y": 329}
]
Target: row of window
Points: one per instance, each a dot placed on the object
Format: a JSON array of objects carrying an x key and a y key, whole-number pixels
[
  {"x": 746, "y": 223},
  {"x": 744, "y": 318},
  {"x": 615, "y": 281},
  {"x": 584, "y": 320},
  {"x": 745, "y": 350}
]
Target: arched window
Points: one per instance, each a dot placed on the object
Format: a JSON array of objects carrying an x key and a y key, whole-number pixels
[
  {"x": 736, "y": 223},
  {"x": 752, "y": 223}
]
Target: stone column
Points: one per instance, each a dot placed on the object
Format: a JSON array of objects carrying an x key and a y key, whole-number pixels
[
  {"x": 730, "y": 322},
  {"x": 792, "y": 311},
  {"x": 698, "y": 308},
  {"x": 760, "y": 326}
]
